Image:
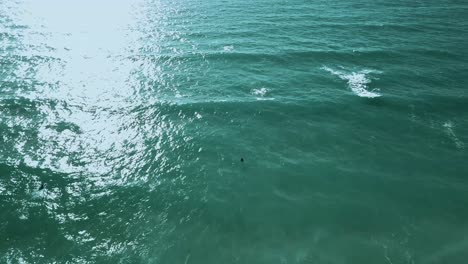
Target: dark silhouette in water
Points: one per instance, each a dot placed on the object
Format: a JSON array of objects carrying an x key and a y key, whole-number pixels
[
  {"x": 41, "y": 187},
  {"x": 242, "y": 159}
]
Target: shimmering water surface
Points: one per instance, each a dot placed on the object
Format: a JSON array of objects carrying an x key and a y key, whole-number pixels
[{"x": 351, "y": 117}]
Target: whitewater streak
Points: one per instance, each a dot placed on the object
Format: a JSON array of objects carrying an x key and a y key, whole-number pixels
[{"x": 357, "y": 81}]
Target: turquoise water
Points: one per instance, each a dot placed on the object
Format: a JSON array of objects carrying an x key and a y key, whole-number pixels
[{"x": 351, "y": 118}]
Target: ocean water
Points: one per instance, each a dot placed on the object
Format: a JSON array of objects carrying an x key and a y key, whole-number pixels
[{"x": 351, "y": 118}]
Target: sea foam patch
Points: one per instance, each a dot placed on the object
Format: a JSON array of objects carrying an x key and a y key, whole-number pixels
[
  {"x": 357, "y": 81},
  {"x": 228, "y": 48},
  {"x": 261, "y": 93}
]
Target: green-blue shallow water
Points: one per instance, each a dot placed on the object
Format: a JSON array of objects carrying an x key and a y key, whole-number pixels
[{"x": 351, "y": 117}]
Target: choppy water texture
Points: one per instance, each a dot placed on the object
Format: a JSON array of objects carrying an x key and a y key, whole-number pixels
[{"x": 351, "y": 117}]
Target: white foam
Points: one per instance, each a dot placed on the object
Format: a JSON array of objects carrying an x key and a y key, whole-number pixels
[
  {"x": 357, "y": 81},
  {"x": 264, "y": 99},
  {"x": 228, "y": 48},
  {"x": 451, "y": 133},
  {"x": 260, "y": 92},
  {"x": 38, "y": 194}
]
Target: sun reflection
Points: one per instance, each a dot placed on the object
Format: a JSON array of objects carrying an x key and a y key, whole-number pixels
[
  {"x": 90, "y": 107},
  {"x": 89, "y": 77}
]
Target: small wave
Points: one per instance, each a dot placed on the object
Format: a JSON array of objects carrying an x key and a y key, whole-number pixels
[
  {"x": 264, "y": 99},
  {"x": 357, "y": 81}
]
